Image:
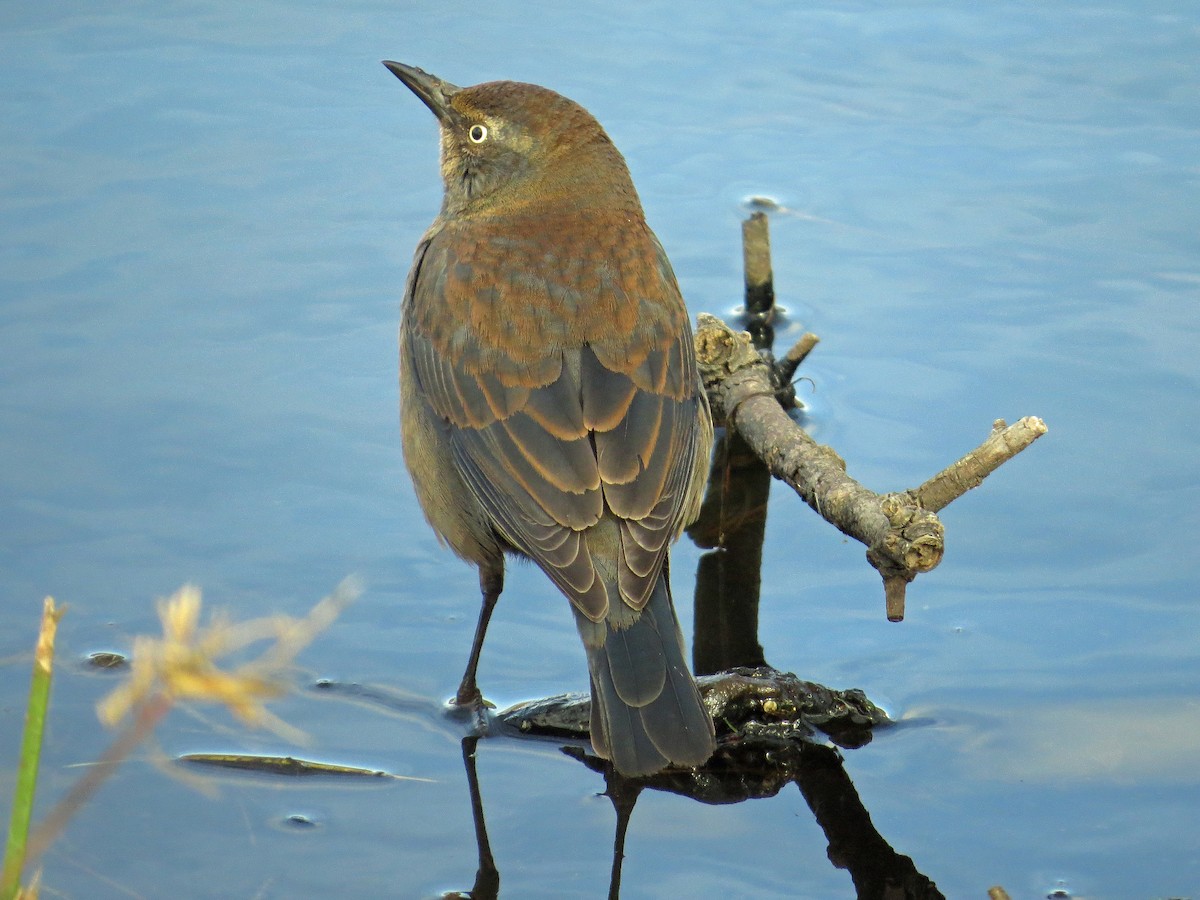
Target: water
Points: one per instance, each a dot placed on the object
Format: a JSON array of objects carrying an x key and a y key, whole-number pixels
[{"x": 207, "y": 214}]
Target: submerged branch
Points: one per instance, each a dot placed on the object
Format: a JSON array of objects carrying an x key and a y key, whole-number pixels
[{"x": 745, "y": 703}]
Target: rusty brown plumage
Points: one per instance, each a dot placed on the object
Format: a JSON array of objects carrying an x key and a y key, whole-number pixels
[{"x": 550, "y": 402}]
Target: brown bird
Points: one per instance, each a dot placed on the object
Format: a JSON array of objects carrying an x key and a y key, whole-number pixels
[{"x": 550, "y": 403}]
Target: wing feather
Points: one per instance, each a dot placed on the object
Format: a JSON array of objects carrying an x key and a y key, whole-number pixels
[{"x": 554, "y": 428}]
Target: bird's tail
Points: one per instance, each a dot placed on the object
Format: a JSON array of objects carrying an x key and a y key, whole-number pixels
[{"x": 646, "y": 708}]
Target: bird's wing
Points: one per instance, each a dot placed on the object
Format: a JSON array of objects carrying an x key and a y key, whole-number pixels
[{"x": 556, "y": 426}]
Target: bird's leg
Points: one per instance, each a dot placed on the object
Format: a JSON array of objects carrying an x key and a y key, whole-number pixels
[{"x": 491, "y": 583}]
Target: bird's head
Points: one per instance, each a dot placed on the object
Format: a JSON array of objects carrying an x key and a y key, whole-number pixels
[{"x": 506, "y": 145}]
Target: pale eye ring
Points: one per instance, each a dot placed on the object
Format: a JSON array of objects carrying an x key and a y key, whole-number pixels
[{"x": 477, "y": 134}]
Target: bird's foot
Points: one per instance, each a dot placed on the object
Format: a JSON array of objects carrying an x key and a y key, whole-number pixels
[{"x": 469, "y": 703}]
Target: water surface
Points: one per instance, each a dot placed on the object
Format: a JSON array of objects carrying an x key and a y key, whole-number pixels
[{"x": 206, "y": 216}]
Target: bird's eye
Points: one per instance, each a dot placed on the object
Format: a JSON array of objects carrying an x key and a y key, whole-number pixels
[{"x": 478, "y": 134}]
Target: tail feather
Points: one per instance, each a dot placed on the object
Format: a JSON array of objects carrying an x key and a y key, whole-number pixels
[
  {"x": 636, "y": 665},
  {"x": 619, "y": 734},
  {"x": 646, "y": 708}
]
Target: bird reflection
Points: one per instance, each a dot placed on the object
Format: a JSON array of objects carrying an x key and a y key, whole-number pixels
[
  {"x": 487, "y": 876},
  {"x": 741, "y": 771}
]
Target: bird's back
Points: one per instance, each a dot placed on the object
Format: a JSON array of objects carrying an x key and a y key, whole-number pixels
[{"x": 559, "y": 354}]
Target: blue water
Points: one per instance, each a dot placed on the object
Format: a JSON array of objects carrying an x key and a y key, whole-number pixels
[{"x": 206, "y": 216}]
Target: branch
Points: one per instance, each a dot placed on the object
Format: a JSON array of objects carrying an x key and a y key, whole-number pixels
[
  {"x": 747, "y": 702},
  {"x": 901, "y": 531},
  {"x": 1005, "y": 442}
]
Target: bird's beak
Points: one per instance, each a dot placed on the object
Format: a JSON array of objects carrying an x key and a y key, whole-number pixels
[{"x": 434, "y": 92}]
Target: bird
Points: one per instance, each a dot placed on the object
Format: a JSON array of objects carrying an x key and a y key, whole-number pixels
[{"x": 551, "y": 407}]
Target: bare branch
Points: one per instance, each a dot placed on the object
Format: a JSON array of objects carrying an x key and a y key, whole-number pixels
[
  {"x": 1005, "y": 442},
  {"x": 901, "y": 531}
]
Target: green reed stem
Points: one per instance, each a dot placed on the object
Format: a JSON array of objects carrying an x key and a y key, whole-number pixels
[{"x": 31, "y": 751}]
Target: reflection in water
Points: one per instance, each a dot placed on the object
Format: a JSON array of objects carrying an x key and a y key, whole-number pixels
[
  {"x": 739, "y": 771},
  {"x": 733, "y": 521},
  {"x": 733, "y": 518},
  {"x": 487, "y": 876},
  {"x": 876, "y": 869}
]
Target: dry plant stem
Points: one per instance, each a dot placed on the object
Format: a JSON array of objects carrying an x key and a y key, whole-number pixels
[
  {"x": 902, "y": 534},
  {"x": 146, "y": 718}
]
